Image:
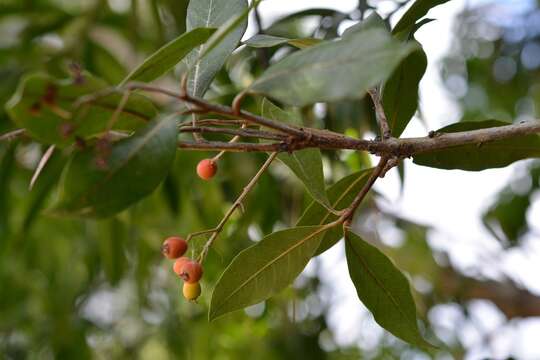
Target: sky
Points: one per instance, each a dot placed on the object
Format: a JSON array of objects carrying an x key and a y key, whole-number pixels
[{"x": 450, "y": 201}]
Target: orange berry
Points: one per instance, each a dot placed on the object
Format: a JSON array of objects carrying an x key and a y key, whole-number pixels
[
  {"x": 206, "y": 169},
  {"x": 191, "y": 291},
  {"x": 191, "y": 272},
  {"x": 173, "y": 247},
  {"x": 179, "y": 265}
]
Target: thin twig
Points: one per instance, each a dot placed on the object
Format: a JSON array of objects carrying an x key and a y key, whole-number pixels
[
  {"x": 41, "y": 165},
  {"x": 347, "y": 215},
  {"x": 243, "y": 132},
  {"x": 236, "y": 204},
  {"x": 233, "y": 140},
  {"x": 118, "y": 110},
  {"x": 12, "y": 135},
  {"x": 379, "y": 111}
]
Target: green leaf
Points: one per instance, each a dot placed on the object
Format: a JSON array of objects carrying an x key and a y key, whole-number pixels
[
  {"x": 266, "y": 41},
  {"x": 306, "y": 164},
  {"x": 215, "y": 14},
  {"x": 134, "y": 168},
  {"x": 164, "y": 59},
  {"x": 330, "y": 71},
  {"x": 101, "y": 62},
  {"x": 341, "y": 194},
  {"x": 30, "y": 108},
  {"x": 400, "y": 92},
  {"x": 418, "y": 10},
  {"x": 373, "y": 21},
  {"x": 383, "y": 289},
  {"x": 264, "y": 269},
  {"x": 487, "y": 155}
]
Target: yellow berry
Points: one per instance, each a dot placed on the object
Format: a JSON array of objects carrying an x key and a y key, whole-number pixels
[{"x": 191, "y": 291}]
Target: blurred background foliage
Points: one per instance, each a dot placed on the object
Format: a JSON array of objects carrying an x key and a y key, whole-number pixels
[{"x": 100, "y": 289}]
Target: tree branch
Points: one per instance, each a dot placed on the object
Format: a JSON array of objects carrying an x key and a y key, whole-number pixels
[{"x": 392, "y": 147}]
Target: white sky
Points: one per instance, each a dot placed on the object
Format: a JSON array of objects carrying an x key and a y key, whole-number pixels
[{"x": 451, "y": 201}]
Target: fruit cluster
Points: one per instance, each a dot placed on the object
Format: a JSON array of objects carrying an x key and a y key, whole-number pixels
[{"x": 187, "y": 269}]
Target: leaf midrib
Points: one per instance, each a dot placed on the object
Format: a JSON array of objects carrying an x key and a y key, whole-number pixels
[
  {"x": 377, "y": 281},
  {"x": 321, "y": 64},
  {"x": 249, "y": 279}
]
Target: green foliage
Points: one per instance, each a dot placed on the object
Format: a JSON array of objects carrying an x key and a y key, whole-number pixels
[
  {"x": 418, "y": 10},
  {"x": 132, "y": 170},
  {"x": 52, "y": 267},
  {"x": 341, "y": 194},
  {"x": 212, "y": 13},
  {"x": 327, "y": 71},
  {"x": 488, "y": 155},
  {"x": 383, "y": 289},
  {"x": 306, "y": 164},
  {"x": 264, "y": 269},
  {"x": 34, "y": 105},
  {"x": 265, "y": 41},
  {"x": 400, "y": 92},
  {"x": 164, "y": 59}
]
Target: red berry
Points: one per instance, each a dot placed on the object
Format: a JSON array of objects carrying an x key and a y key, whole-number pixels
[
  {"x": 179, "y": 265},
  {"x": 206, "y": 169},
  {"x": 173, "y": 247},
  {"x": 191, "y": 272}
]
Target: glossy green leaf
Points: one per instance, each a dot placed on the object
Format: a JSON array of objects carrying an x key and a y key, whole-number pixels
[
  {"x": 418, "y": 10},
  {"x": 215, "y": 14},
  {"x": 488, "y": 155},
  {"x": 30, "y": 108},
  {"x": 164, "y": 59},
  {"x": 400, "y": 92},
  {"x": 266, "y": 41},
  {"x": 264, "y": 269},
  {"x": 383, "y": 289},
  {"x": 341, "y": 194},
  {"x": 134, "y": 168},
  {"x": 329, "y": 71},
  {"x": 306, "y": 164}
]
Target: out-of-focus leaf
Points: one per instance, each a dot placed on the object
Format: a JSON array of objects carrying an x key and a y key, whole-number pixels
[
  {"x": 7, "y": 161},
  {"x": 44, "y": 107},
  {"x": 329, "y": 71},
  {"x": 43, "y": 188},
  {"x": 265, "y": 41},
  {"x": 102, "y": 63},
  {"x": 164, "y": 59},
  {"x": 111, "y": 250},
  {"x": 373, "y": 21},
  {"x": 383, "y": 289},
  {"x": 507, "y": 219},
  {"x": 134, "y": 168},
  {"x": 306, "y": 164},
  {"x": 264, "y": 269},
  {"x": 418, "y": 10},
  {"x": 341, "y": 194},
  {"x": 400, "y": 93},
  {"x": 212, "y": 13},
  {"x": 488, "y": 155}
]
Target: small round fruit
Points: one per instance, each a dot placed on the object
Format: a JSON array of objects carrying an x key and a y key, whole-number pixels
[
  {"x": 206, "y": 169},
  {"x": 179, "y": 265},
  {"x": 173, "y": 247},
  {"x": 191, "y": 272},
  {"x": 191, "y": 291}
]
